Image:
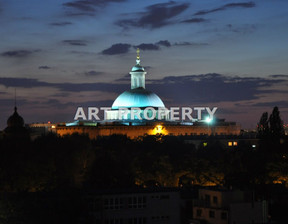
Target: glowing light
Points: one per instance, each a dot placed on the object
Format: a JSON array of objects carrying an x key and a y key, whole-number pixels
[
  {"x": 159, "y": 129},
  {"x": 53, "y": 126},
  {"x": 208, "y": 120}
]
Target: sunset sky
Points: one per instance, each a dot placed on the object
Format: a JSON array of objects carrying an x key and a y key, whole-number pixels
[{"x": 59, "y": 55}]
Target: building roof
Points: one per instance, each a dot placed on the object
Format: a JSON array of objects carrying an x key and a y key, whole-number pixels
[
  {"x": 138, "y": 97},
  {"x": 15, "y": 120}
]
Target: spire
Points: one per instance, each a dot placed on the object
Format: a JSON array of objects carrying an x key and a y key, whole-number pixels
[
  {"x": 15, "y": 102},
  {"x": 137, "y": 73},
  {"x": 138, "y": 56},
  {"x": 15, "y": 98}
]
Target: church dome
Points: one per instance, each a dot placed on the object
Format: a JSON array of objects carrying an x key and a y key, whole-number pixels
[
  {"x": 15, "y": 120},
  {"x": 138, "y": 97},
  {"x": 137, "y": 68}
]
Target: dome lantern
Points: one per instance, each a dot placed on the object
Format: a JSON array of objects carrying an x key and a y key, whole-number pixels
[{"x": 137, "y": 74}]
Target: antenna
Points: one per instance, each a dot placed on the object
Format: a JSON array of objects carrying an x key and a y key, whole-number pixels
[{"x": 15, "y": 99}]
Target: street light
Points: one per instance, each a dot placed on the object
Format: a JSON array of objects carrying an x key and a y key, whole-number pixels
[{"x": 208, "y": 120}]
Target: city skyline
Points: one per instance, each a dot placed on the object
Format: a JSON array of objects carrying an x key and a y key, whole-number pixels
[{"x": 60, "y": 55}]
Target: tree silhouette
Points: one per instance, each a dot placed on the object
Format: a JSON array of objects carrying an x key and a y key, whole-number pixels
[
  {"x": 276, "y": 124},
  {"x": 263, "y": 126}
]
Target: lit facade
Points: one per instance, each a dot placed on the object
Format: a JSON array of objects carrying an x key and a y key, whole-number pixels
[{"x": 140, "y": 105}]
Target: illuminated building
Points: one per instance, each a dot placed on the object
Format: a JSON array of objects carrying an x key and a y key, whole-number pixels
[
  {"x": 146, "y": 101},
  {"x": 136, "y": 97},
  {"x": 38, "y": 129}
]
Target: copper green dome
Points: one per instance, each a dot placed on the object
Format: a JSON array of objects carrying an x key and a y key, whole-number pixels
[
  {"x": 137, "y": 68},
  {"x": 138, "y": 97}
]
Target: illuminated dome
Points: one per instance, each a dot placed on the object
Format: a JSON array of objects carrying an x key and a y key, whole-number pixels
[
  {"x": 138, "y": 97},
  {"x": 137, "y": 68}
]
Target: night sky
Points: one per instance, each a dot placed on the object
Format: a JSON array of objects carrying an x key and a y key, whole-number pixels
[{"x": 59, "y": 55}]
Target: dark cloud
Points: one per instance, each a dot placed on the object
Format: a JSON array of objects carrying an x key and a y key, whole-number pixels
[
  {"x": 80, "y": 5},
  {"x": 155, "y": 16},
  {"x": 227, "y": 6},
  {"x": 195, "y": 20},
  {"x": 44, "y": 67},
  {"x": 279, "y": 76},
  {"x": 86, "y": 7},
  {"x": 210, "y": 88},
  {"x": 147, "y": 47},
  {"x": 190, "y": 44},
  {"x": 124, "y": 48},
  {"x": 156, "y": 46},
  {"x": 190, "y": 89},
  {"x": 283, "y": 104},
  {"x": 75, "y": 42},
  {"x": 93, "y": 73},
  {"x": 165, "y": 43},
  {"x": 125, "y": 78},
  {"x": 22, "y": 82},
  {"x": 10, "y": 103},
  {"x": 18, "y": 53},
  {"x": 61, "y": 94},
  {"x": 61, "y": 24},
  {"x": 117, "y": 49},
  {"x": 82, "y": 53},
  {"x": 72, "y": 14}
]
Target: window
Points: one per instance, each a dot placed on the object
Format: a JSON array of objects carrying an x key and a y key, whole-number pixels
[
  {"x": 215, "y": 200},
  {"x": 235, "y": 143},
  {"x": 113, "y": 203},
  {"x": 137, "y": 220},
  {"x": 137, "y": 202},
  {"x": 114, "y": 221},
  {"x": 230, "y": 144},
  {"x": 199, "y": 212},
  {"x": 224, "y": 215},
  {"x": 207, "y": 199},
  {"x": 212, "y": 214}
]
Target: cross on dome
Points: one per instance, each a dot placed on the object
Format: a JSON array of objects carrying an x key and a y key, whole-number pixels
[{"x": 138, "y": 56}]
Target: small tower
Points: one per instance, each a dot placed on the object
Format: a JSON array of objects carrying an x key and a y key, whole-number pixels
[
  {"x": 15, "y": 127},
  {"x": 15, "y": 120},
  {"x": 138, "y": 74}
]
